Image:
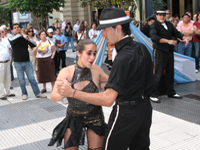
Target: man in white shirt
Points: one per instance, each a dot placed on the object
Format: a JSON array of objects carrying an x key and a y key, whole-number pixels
[
  {"x": 8, "y": 35},
  {"x": 5, "y": 81},
  {"x": 76, "y": 27}
]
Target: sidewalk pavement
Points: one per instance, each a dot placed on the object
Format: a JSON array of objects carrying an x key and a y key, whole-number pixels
[{"x": 28, "y": 125}]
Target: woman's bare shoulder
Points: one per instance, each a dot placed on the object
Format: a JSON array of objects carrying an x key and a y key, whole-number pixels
[
  {"x": 97, "y": 68},
  {"x": 66, "y": 72}
]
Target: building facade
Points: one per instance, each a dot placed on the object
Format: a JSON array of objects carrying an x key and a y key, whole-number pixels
[{"x": 73, "y": 11}]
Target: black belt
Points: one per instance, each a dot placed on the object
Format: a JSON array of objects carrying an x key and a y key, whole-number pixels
[
  {"x": 126, "y": 103},
  {"x": 133, "y": 102},
  {"x": 4, "y": 61}
]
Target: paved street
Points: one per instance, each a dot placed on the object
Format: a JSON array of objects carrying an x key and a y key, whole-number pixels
[{"x": 27, "y": 125}]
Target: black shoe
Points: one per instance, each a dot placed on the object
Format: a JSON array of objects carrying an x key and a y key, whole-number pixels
[
  {"x": 43, "y": 91},
  {"x": 3, "y": 98},
  {"x": 155, "y": 99},
  {"x": 11, "y": 95},
  {"x": 176, "y": 96}
]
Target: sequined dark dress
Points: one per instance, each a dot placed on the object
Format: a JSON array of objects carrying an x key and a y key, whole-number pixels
[{"x": 80, "y": 115}]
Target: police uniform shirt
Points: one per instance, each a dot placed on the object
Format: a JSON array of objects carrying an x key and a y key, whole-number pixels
[
  {"x": 158, "y": 31},
  {"x": 128, "y": 71}
]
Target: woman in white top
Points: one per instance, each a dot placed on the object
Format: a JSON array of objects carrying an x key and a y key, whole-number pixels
[
  {"x": 81, "y": 32},
  {"x": 45, "y": 54},
  {"x": 93, "y": 32}
]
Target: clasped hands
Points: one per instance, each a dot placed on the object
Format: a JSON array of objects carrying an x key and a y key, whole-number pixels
[
  {"x": 64, "y": 88},
  {"x": 60, "y": 46}
]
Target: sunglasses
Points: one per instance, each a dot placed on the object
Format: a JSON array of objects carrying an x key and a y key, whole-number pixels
[{"x": 30, "y": 31}]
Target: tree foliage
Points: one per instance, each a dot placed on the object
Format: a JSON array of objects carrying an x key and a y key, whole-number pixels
[
  {"x": 39, "y": 8},
  {"x": 100, "y": 4},
  {"x": 4, "y": 14},
  {"x": 156, "y": 4}
]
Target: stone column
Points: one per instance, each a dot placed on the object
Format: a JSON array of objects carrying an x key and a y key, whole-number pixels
[{"x": 73, "y": 11}]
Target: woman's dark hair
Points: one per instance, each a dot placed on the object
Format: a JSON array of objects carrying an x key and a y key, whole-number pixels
[
  {"x": 69, "y": 23},
  {"x": 177, "y": 15},
  {"x": 27, "y": 30},
  {"x": 81, "y": 45},
  {"x": 151, "y": 18},
  {"x": 198, "y": 16},
  {"x": 94, "y": 23},
  {"x": 42, "y": 31},
  {"x": 81, "y": 29},
  {"x": 125, "y": 29}
]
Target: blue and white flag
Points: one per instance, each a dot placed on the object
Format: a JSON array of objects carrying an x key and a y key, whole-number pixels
[{"x": 184, "y": 66}]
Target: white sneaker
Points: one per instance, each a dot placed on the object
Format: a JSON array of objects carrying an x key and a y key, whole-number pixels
[
  {"x": 41, "y": 96},
  {"x": 155, "y": 99},
  {"x": 197, "y": 71},
  {"x": 24, "y": 97}
]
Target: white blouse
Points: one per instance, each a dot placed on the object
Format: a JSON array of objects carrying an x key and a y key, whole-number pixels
[
  {"x": 92, "y": 32},
  {"x": 44, "y": 50}
]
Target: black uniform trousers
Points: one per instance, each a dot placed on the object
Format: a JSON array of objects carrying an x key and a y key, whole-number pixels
[
  {"x": 129, "y": 127},
  {"x": 61, "y": 56},
  {"x": 164, "y": 61}
]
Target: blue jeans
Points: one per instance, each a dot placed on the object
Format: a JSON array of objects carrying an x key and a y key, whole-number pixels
[
  {"x": 70, "y": 39},
  {"x": 196, "y": 48},
  {"x": 185, "y": 50},
  {"x": 76, "y": 58},
  {"x": 176, "y": 48},
  {"x": 26, "y": 67}
]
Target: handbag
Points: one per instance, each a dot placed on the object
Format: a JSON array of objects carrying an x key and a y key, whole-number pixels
[{"x": 80, "y": 38}]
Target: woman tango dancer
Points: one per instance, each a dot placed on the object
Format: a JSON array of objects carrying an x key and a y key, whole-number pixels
[{"x": 82, "y": 118}]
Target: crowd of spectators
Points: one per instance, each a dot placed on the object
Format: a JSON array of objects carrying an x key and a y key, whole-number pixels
[
  {"x": 44, "y": 57},
  {"x": 60, "y": 35}
]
